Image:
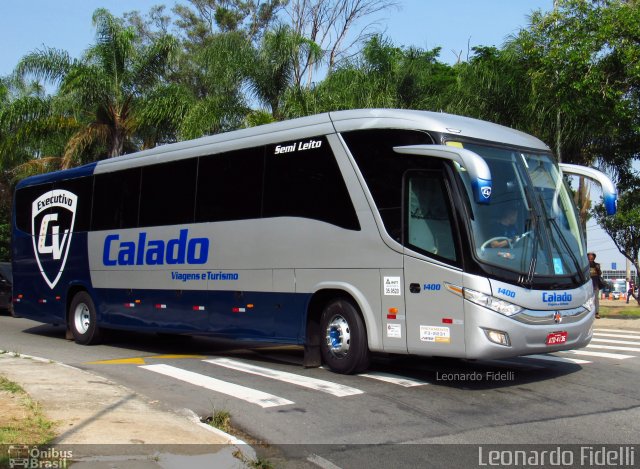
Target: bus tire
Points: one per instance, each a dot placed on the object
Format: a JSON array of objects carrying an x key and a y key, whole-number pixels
[
  {"x": 343, "y": 338},
  {"x": 83, "y": 320}
]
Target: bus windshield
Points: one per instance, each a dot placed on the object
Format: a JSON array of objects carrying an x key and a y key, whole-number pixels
[{"x": 531, "y": 226}]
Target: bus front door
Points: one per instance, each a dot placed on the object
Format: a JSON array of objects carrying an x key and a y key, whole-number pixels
[{"x": 434, "y": 314}]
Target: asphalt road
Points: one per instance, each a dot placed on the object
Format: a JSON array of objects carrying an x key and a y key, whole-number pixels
[{"x": 357, "y": 421}]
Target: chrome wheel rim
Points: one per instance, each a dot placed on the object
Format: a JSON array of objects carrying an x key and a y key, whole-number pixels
[{"x": 338, "y": 336}]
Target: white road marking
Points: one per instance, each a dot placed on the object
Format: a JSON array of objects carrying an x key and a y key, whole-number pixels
[
  {"x": 329, "y": 387},
  {"x": 322, "y": 462},
  {"x": 253, "y": 396},
  {"x": 553, "y": 358},
  {"x": 393, "y": 379},
  {"x": 617, "y": 336},
  {"x": 615, "y": 347},
  {"x": 619, "y": 331},
  {"x": 613, "y": 341},
  {"x": 615, "y": 356}
]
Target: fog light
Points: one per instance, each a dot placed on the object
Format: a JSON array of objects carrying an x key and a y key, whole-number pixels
[{"x": 498, "y": 337}]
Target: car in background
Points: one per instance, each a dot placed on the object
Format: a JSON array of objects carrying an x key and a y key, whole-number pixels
[
  {"x": 6, "y": 287},
  {"x": 615, "y": 295}
]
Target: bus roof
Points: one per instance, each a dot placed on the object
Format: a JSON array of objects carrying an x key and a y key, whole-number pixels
[{"x": 340, "y": 121}]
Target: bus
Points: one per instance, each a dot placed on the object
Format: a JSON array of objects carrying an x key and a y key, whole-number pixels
[{"x": 348, "y": 233}]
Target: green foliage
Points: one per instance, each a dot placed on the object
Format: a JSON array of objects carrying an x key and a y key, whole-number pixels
[
  {"x": 624, "y": 226},
  {"x": 100, "y": 95},
  {"x": 383, "y": 76},
  {"x": 571, "y": 77},
  {"x": 5, "y": 242},
  {"x": 582, "y": 63},
  {"x": 207, "y": 18}
]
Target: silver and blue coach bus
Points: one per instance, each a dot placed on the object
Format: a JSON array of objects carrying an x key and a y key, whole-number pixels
[{"x": 349, "y": 232}]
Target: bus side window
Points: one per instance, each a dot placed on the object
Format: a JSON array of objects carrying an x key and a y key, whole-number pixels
[
  {"x": 230, "y": 185},
  {"x": 302, "y": 179},
  {"x": 429, "y": 227},
  {"x": 83, "y": 188},
  {"x": 115, "y": 200},
  {"x": 23, "y": 204},
  {"x": 383, "y": 169},
  {"x": 168, "y": 193}
]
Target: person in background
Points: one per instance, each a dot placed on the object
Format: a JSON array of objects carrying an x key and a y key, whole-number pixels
[
  {"x": 632, "y": 291},
  {"x": 595, "y": 272}
]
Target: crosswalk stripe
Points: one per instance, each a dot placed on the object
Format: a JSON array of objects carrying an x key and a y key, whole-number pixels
[
  {"x": 553, "y": 358},
  {"x": 329, "y": 387},
  {"x": 393, "y": 379},
  {"x": 613, "y": 341},
  {"x": 615, "y": 356},
  {"x": 623, "y": 331},
  {"x": 615, "y": 347},
  {"x": 617, "y": 336},
  {"x": 253, "y": 396}
]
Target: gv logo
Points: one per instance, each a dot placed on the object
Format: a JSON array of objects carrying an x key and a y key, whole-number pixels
[
  {"x": 52, "y": 218},
  {"x": 56, "y": 243}
]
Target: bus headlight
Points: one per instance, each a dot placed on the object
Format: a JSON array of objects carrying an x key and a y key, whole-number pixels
[{"x": 491, "y": 302}]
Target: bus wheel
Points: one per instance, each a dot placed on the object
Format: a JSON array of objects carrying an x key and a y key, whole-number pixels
[
  {"x": 344, "y": 347},
  {"x": 83, "y": 320}
]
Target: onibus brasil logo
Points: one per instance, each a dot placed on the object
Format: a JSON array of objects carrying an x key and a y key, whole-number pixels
[{"x": 52, "y": 217}]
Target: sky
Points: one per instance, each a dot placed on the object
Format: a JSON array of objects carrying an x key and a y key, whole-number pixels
[{"x": 454, "y": 25}]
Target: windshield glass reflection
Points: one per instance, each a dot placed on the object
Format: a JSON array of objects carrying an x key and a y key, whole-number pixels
[{"x": 530, "y": 226}]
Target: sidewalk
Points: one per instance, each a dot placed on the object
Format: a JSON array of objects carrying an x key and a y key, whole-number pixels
[{"x": 108, "y": 426}]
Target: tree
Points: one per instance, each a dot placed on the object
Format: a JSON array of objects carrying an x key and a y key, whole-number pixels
[
  {"x": 383, "y": 75},
  {"x": 624, "y": 226},
  {"x": 105, "y": 88},
  {"x": 209, "y": 17},
  {"x": 210, "y": 86},
  {"x": 584, "y": 71},
  {"x": 329, "y": 23},
  {"x": 273, "y": 67}
]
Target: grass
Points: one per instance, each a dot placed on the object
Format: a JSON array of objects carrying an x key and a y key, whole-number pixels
[
  {"x": 221, "y": 419},
  {"x": 10, "y": 386},
  {"x": 258, "y": 463},
  {"x": 622, "y": 311},
  {"x": 22, "y": 420}
]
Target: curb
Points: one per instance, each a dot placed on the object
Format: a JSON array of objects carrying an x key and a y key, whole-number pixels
[{"x": 186, "y": 415}]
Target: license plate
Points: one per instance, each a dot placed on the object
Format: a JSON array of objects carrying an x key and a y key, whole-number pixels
[{"x": 557, "y": 338}]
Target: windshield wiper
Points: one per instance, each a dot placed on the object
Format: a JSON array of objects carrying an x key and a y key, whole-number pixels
[
  {"x": 534, "y": 256},
  {"x": 574, "y": 259}
]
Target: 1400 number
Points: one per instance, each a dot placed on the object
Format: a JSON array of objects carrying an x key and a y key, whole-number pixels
[{"x": 505, "y": 292}]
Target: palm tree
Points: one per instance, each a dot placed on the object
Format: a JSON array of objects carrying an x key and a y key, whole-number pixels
[
  {"x": 274, "y": 62},
  {"x": 105, "y": 89}
]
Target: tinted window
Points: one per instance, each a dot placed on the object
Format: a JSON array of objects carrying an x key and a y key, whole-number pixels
[
  {"x": 115, "y": 200},
  {"x": 429, "y": 218},
  {"x": 383, "y": 169},
  {"x": 82, "y": 188},
  {"x": 302, "y": 179},
  {"x": 168, "y": 193},
  {"x": 23, "y": 204},
  {"x": 230, "y": 185}
]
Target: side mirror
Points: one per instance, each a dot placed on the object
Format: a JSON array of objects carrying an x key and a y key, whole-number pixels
[
  {"x": 473, "y": 163},
  {"x": 609, "y": 193}
]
